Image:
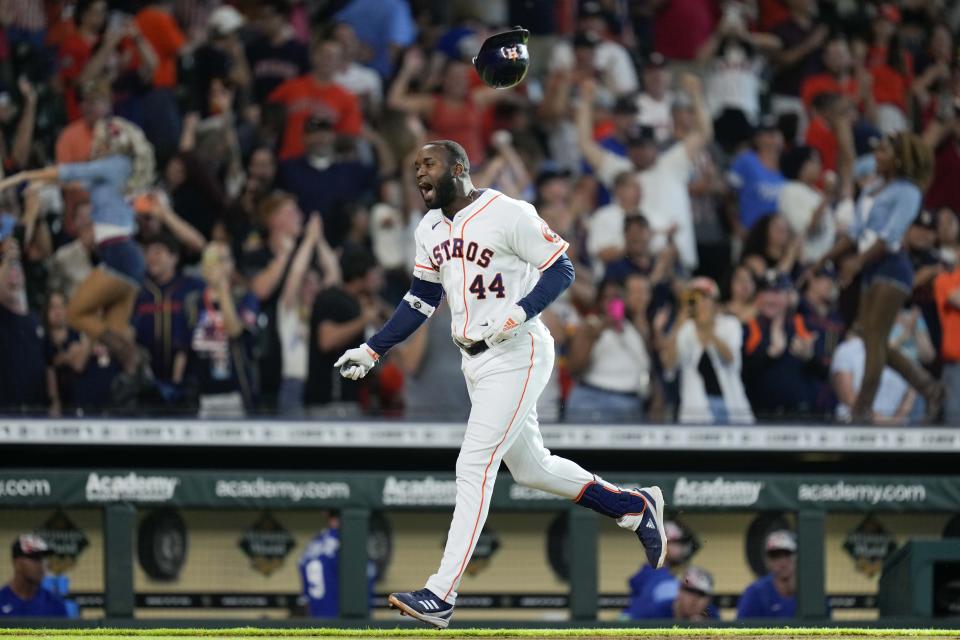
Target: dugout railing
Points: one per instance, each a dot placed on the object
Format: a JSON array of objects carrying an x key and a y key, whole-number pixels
[{"x": 120, "y": 493}]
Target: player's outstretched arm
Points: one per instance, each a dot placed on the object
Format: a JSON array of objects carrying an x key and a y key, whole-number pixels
[{"x": 413, "y": 311}]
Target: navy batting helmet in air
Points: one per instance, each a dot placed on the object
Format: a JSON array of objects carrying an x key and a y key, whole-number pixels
[{"x": 503, "y": 59}]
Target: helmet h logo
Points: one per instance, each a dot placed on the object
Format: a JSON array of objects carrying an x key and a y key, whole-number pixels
[{"x": 511, "y": 53}]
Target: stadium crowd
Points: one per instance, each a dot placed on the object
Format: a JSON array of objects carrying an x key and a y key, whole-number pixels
[{"x": 713, "y": 163}]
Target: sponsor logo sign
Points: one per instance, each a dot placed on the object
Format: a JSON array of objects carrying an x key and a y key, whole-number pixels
[
  {"x": 267, "y": 543},
  {"x": 130, "y": 487},
  {"x": 261, "y": 488},
  {"x": 24, "y": 488},
  {"x": 841, "y": 491},
  {"x": 869, "y": 544},
  {"x": 65, "y": 539},
  {"x": 419, "y": 491},
  {"x": 717, "y": 492}
]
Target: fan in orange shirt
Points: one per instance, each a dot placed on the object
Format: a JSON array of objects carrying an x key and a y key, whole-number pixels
[
  {"x": 316, "y": 93},
  {"x": 838, "y": 75},
  {"x": 828, "y": 110},
  {"x": 163, "y": 34}
]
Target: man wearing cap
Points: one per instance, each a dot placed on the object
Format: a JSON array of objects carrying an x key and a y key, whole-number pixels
[
  {"x": 324, "y": 182},
  {"x": 778, "y": 346},
  {"x": 652, "y": 591},
  {"x": 690, "y": 600},
  {"x": 222, "y": 55},
  {"x": 159, "y": 316},
  {"x": 774, "y": 595},
  {"x": 664, "y": 177},
  {"x": 22, "y": 370},
  {"x": 656, "y": 99},
  {"x": 694, "y": 596},
  {"x": 24, "y": 596},
  {"x": 624, "y": 120},
  {"x": 755, "y": 174}
]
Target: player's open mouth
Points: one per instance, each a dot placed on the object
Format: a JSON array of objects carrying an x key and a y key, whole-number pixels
[{"x": 426, "y": 190}]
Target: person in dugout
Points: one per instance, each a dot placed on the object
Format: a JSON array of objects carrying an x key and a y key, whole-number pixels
[
  {"x": 319, "y": 569},
  {"x": 24, "y": 595}
]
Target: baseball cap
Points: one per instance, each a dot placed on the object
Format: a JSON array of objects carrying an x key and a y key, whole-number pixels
[
  {"x": 318, "y": 122},
  {"x": 781, "y": 540},
  {"x": 655, "y": 61},
  {"x": 674, "y": 531},
  {"x": 585, "y": 39},
  {"x": 766, "y": 124},
  {"x": 29, "y": 545},
  {"x": 590, "y": 8},
  {"x": 697, "y": 579},
  {"x": 225, "y": 20},
  {"x": 774, "y": 281},
  {"x": 641, "y": 134},
  {"x": 626, "y": 105},
  {"x": 926, "y": 220}
]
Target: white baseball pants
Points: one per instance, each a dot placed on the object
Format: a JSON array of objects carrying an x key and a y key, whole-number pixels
[{"x": 504, "y": 383}]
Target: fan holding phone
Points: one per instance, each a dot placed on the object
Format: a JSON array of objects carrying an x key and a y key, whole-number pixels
[{"x": 610, "y": 356}]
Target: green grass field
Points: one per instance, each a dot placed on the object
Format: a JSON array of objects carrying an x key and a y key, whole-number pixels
[{"x": 521, "y": 634}]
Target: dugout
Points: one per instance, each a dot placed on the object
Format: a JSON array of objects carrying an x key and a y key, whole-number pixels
[{"x": 834, "y": 513}]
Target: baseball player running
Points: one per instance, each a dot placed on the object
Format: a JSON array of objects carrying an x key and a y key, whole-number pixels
[{"x": 498, "y": 265}]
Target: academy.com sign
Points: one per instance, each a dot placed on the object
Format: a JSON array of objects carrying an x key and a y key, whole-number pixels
[
  {"x": 132, "y": 487},
  {"x": 718, "y": 492},
  {"x": 282, "y": 490},
  {"x": 869, "y": 493}
]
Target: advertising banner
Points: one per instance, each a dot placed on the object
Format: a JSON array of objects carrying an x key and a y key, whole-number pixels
[{"x": 693, "y": 492}]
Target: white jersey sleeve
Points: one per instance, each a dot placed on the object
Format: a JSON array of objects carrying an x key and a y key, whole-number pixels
[
  {"x": 533, "y": 240},
  {"x": 423, "y": 266}
]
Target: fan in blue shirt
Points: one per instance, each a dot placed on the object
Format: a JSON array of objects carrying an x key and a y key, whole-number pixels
[
  {"x": 24, "y": 596},
  {"x": 774, "y": 595},
  {"x": 755, "y": 175}
]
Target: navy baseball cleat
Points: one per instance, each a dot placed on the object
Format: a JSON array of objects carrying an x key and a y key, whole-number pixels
[
  {"x": 424, "y": 606},
  {"x": 648, "y": 524}
]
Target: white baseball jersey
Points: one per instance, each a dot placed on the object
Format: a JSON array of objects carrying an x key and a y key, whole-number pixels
[{"x": 487, "y": 258}]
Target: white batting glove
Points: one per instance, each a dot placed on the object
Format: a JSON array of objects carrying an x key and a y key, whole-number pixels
[
  {"x": 504, "y": 327},
  {"x": 356, "y": 363}
]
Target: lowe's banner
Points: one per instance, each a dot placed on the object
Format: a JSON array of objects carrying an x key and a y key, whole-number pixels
[{"x": 691, "y": 492}]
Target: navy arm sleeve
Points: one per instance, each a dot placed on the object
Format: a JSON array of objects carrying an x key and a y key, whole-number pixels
[
  {"x": 416, "y": 307},
  {"x": 553, "y": 281}
]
